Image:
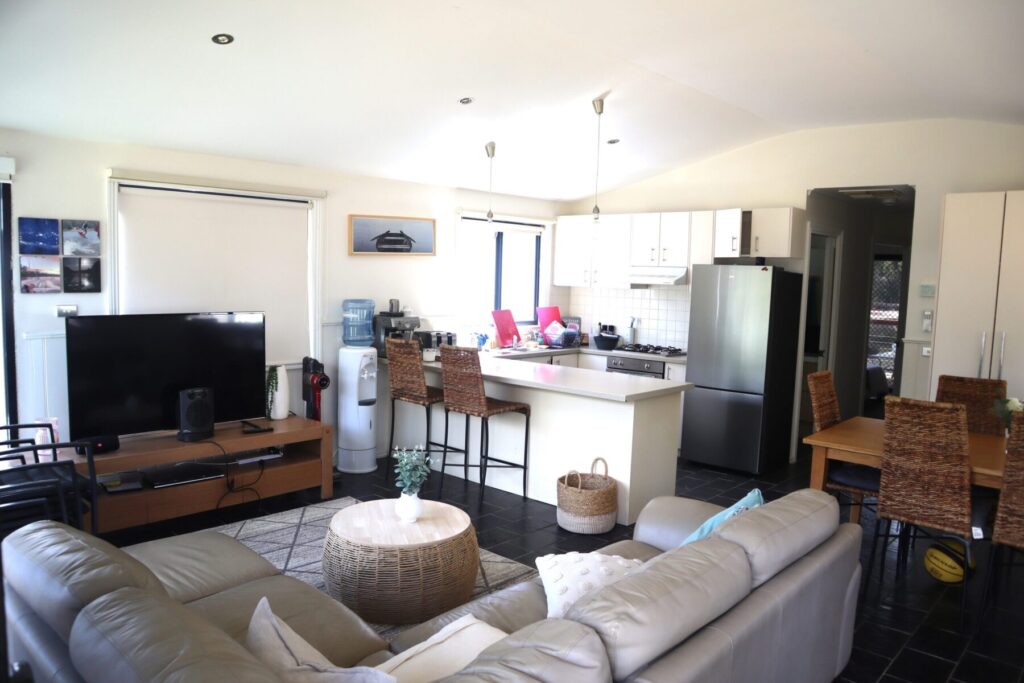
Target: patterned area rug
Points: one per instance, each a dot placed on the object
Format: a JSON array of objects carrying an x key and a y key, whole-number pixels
[{"x": 293, "y": 541}]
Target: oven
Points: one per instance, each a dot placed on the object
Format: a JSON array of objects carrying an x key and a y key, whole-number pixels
[{"x": 636, "y": 366}]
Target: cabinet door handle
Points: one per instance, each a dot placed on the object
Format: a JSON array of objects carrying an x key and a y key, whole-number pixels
[
  {"x": 733, "y": 247},
  {"x": 664, "y": 253},
  {"x": 981, "y": 357},
  {"x": 1002, "y": 354},
  {"x": 652, "y": 254},
  {"x": 757, "y": 242}
]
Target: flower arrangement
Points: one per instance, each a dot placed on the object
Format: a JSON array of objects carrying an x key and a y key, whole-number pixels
[
  {"x": 1005, "y": 408},
  {"x": 412, "y": 467}
]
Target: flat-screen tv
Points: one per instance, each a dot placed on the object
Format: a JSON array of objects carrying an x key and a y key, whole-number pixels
[{"x": 125, "y": 371}]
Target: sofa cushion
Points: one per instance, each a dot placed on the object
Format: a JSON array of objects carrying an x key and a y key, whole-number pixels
[
  {"x": 131, "y": 636},
  {"x": 293, "y": 659},
  {"x": 330, "y": 627},
  {"x": 444, "y": 653},
  {"x": 192, "y": 566},
  {"x": 508, "y": 609},
  {"x": 666, "y": 521},
  {"x": 59, "y": 570},
  {"x": 631, "y": 550},
  {"x": 570, "y": 576},
  {"x": 548, "y": 651},
  {"x": 650, "y": 611},
  {"x": 780, "y": 532}
]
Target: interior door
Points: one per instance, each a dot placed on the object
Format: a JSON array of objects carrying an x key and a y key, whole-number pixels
[
  {"x": 972, "y": 229},
  {"x": 1008, "y": 343},
  {"x": 675, "y": 239},
  {"x": 643, "y": 239}
]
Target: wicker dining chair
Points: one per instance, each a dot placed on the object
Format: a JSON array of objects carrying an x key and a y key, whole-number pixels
[
  {"x": 1008, "y": 532},
  {"x": 979, "y": 395},
  {"x": 926, "y": 478},
  {"x": 858, "y": 481},
  {"x": 464, "y": 393},
  {"x": 408, "y": 383}
]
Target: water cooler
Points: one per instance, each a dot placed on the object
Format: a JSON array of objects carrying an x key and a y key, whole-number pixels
[{"x": 357, "y": 409}]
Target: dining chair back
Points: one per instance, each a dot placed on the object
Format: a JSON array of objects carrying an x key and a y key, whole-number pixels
[
  {"x": 824, "y": 404},
  {"x": 1009, "y": 526},
  {"x": 979, "y": 396},
  {"x": 926, "y": 472}
]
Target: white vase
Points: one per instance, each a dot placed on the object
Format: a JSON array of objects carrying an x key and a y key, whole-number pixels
[
  {"x": 280, "y": 401},
  {"x": 409, "y": 507}
]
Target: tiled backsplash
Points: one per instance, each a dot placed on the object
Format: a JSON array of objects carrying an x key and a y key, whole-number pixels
[{"x": 664, "y": 312}]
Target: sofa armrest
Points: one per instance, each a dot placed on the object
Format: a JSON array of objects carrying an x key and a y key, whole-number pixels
[
  {"x": 549, "y": 651},
  {"x": 666, "y": 521}
]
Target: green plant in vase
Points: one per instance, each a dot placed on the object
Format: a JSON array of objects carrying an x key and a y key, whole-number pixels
[
  {"x": 412, "y": 467},
  {"x": 1004, "y": 408}
]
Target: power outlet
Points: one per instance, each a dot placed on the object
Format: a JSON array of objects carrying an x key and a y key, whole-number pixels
[{"x": 926, "y": 351}]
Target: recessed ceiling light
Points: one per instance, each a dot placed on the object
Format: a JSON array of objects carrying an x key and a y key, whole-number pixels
[
  {"x": 223, "y": 39},
  {"x": 466, "y": 100},
  {"x": 614, "y": 141}
]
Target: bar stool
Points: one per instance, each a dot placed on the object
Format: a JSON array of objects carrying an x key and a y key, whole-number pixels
[
  {"x": 408, "y": 383},
  {"x": 464, "y": 393}
]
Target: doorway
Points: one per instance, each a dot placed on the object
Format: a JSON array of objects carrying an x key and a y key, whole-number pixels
[{"x": 867, "y": 232}]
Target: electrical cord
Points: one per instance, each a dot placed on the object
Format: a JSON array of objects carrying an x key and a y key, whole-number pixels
[{"x": 230, "y": 481}]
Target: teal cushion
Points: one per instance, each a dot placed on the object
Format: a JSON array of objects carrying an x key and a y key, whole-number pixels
[{"x": 751, "y": 500}]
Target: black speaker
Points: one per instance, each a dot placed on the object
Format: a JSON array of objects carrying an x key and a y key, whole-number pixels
[{"x": 195, "y": 414}]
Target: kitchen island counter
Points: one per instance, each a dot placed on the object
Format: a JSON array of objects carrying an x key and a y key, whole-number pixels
[{"x": 576, "y": 415}]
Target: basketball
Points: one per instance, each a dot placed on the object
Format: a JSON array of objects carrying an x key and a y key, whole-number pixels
[{"x": 944, "y": 561}]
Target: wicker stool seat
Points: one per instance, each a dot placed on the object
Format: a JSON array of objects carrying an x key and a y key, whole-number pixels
[
  {"x": 464, "y": 393},
  {"x": 407, "y": 382},
  {"x": 857, "y": 480}
]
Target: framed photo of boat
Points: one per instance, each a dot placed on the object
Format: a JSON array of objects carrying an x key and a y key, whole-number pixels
[{"x": 390, "y": 235}]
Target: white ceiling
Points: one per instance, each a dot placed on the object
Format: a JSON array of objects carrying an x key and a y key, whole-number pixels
[{"x": 372, "y": 87}]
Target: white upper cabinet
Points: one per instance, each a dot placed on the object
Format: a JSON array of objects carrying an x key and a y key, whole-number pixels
[
  {"x": 609, "y": 266},
  {"x": 728, "y": 232},
  {"x": 644, "y": 239},
  {"x": 659, "y": 239},
  {"x": 702, "y": 237},
  {"x": 777, "y": 233},
  {"x": 574, "y": 237},
  {"x": 674, "y": 248}
]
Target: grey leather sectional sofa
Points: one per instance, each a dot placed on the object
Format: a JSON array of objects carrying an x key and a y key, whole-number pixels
[{"x": 771, "y": 596}]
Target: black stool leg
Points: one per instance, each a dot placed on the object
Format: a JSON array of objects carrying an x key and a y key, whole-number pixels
[
  {"x": 427, "y": 444},
  {"x": 444, "y": 456},
  {"x": 391, "y": 444},
  {"x": 465, "y": 452},
  {"x": 485, "y": 438},
  {"x": 526, "y": 452}
]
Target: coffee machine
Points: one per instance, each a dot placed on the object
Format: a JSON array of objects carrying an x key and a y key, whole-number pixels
[{"x": 392, "y": 323}]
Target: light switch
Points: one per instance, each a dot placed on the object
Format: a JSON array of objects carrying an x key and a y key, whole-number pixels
[
  {"x": 926, "y": 320},
  {"x": 927, "y": 291}
]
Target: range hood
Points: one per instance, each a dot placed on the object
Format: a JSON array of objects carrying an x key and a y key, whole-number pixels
[{"x": 644, "y": 276}]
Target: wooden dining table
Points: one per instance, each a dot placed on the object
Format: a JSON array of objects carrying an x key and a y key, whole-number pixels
[{"x": 861, "y": 440}]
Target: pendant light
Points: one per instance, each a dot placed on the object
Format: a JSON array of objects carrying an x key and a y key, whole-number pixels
[
  {"x": 598, "y": 109},
  {"x": 489, "y": 147}
]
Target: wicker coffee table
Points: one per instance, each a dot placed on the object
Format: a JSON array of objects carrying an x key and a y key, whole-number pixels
[{"x": 394, "y": 573}]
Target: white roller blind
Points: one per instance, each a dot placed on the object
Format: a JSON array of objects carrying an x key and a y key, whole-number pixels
[{"x": 182, "y": 252}]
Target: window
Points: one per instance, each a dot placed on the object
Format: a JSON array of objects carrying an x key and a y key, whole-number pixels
[{"x": 517, "y": 274}]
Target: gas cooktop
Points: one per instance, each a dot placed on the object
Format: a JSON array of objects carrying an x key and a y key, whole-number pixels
[{"x": 653, "y": 350}]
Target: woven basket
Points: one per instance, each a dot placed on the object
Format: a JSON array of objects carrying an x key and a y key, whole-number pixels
[{"x": 587, "y": 503}]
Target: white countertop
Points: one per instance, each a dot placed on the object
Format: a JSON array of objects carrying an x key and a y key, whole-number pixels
[
  {"x": 587, "y": 350},
  {"x": 608, "y": 386}
]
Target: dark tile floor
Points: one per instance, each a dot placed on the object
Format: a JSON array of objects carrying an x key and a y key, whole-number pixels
[{"x": 907, "y": 629}]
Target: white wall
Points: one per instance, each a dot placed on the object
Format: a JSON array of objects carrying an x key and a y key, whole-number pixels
[
  {"x": 935, "y": 156},
  {"x": 61, "y": 178}
]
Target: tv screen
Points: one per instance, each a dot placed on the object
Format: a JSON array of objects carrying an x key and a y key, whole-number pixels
[{"x": 125, "y": 371}]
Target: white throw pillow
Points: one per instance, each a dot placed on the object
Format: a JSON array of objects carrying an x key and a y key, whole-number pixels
[
  {"x": 569, "y": 577},
  {"x": 288, "y": 654},
  {"x": 445, "y": 653}
]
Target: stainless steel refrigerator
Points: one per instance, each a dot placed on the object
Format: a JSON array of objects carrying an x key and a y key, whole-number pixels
[{"x": 741, "y": 355}]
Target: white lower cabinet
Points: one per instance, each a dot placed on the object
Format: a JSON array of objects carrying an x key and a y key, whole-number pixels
[
  {"x": 567, "y": 360},
  {"x": 592, "y": 361}
]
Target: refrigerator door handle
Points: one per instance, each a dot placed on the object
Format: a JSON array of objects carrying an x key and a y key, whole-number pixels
[{"x": 981, "y": 357}]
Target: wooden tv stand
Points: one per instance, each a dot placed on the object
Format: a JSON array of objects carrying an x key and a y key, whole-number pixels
[{"x": 308, "y": 462}]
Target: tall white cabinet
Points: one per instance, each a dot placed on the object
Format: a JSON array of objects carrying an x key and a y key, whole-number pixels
[{"x": 979, "y": 321}]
